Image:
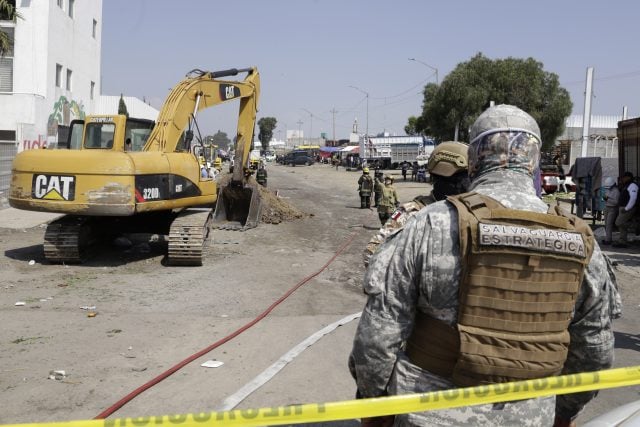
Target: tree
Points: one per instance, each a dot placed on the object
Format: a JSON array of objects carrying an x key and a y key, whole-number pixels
[
  {"x": 468, "y": 89},
  {"x": 122, "y": 107},
  {"x": 8, "y": 12},
  {"x": 221, "y": 140},
  {"x": 266, "y": 126}
]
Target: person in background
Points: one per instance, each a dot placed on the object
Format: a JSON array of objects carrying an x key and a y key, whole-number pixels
[
  {"x": 414, "y": 171},
  {"x": 611, "y": 198},
  {"x": 405, "y": 166},
  {"x": 365, "y": 187},
  {"x": 378, "y": 185},
  {"x": 388, "y": 200},
  {"x": 627, "y": 208},
  {"x": 261, "y": 175},
  {"x": 448, "y": 169},
  {"x": 430, "y": 297},
  {"x": 127, "y": 144}
]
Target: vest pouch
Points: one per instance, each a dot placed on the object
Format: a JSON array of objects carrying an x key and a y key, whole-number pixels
[{"x": 493, "y": 357}]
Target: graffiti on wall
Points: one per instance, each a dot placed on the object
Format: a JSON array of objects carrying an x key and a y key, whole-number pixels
[
  {"x": 63, "y": 112},
  {"x": 28, "y": 144}
]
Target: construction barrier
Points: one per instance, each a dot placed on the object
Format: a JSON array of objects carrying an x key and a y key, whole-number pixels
[{"x": 363, "y": 408}]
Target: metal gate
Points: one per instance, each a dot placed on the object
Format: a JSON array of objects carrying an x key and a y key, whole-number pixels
[{"x": 8, "y": 151}]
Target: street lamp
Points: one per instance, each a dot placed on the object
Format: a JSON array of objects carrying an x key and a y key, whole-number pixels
[
  {"x": 310, "y": 121},
  {"x": 426, "y": 65},
  {"x": 366, "y": 93}
]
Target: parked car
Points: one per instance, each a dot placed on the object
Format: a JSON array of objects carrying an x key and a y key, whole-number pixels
[{"x": 298, "y": 158}]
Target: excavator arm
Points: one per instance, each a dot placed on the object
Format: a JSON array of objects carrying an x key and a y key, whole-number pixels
[{"x": 200, "y": 90}]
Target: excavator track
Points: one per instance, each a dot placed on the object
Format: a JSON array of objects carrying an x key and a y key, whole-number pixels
[
  {"x": 66, "y": 240},
  {"x": 188, "y": 236}
]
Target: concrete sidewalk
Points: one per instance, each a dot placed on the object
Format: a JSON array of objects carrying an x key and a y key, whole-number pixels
[{"x": 18, "y": 219}]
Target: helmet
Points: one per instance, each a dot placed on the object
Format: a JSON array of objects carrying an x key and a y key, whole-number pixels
[
  {"x": 503, "y": 117},
  {"x": 504, "y": 137},
  {"x": 388, "y": 178},
  {"x": 448, "y": 158},
  {"x": 609, "y": 181},
  {"x": 365, "y": 170}
]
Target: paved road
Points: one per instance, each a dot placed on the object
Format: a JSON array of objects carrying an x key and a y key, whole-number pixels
[{"x": 151, "y": 317}]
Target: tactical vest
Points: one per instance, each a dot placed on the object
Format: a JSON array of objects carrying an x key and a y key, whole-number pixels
[{"x": 521, "y": 273}]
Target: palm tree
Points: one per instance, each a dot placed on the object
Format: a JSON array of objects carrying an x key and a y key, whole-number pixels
[{"x": 7, "y": 13}]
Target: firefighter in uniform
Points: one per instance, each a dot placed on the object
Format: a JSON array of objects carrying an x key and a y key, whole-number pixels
[
  {"x": 447, "y": 167},
  {"x": 261, "y": 175},
  {"x": 365, "y": 187},
  {"x": 388, "y": 200},
  {"x": 487, "y": 287},
  {"x": 378, "y": 185}
]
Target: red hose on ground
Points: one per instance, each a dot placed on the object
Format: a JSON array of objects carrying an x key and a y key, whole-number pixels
[{"x": 119, "y": 404}]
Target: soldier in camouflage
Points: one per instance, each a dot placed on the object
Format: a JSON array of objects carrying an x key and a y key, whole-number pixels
[
  {"x": 419, "y": 270},
  {"x": 448, "y": 168}
]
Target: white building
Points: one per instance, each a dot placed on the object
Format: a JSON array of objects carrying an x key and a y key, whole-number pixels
[{"x": 52, "y": 76}]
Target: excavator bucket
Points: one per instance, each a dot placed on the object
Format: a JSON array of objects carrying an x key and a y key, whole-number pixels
[{"x": 238, "y": 207}]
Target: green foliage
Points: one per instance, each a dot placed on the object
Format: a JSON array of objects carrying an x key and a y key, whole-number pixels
[
  {"x": 221, "y": 140},
  {"x": 266, "y": 126},
  {"x": 8, "y": 12},
  {"x": 468, "y": 89},
  {"x": 122, "y": 107}
]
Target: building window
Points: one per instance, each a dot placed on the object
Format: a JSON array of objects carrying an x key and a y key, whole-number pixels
[
  {"x": 93, "y": 89},
  {"x": 69, "y": 74},
  {"x": 58, "y": 75},
  {"x": 70, "y": 11},
  {"x": 95, "y": 28},
  {"x": 6, "y": 63}
]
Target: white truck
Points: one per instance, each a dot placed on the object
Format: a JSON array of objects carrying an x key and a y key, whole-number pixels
[{"x": 391, "y": 151}]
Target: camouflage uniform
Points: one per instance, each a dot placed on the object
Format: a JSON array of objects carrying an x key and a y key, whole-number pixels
[
  {"x": 388, "y": 201},
  {"x": 396, "y": 222},
  {"x": 419, "y": 269}
]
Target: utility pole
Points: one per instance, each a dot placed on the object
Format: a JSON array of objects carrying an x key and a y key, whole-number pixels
[
  {"x": 300, "y": 122},
  {"x": 366, "y": 93},
  {"x": 310, "y": 122},
  {"x": 586, "y": 119},
  {"x": 333, "y": 113}
]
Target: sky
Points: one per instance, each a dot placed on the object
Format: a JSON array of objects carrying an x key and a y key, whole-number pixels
[{"x": 312, "y": 53}]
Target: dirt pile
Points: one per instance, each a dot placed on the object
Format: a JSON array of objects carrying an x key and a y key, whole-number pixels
[{"x": 274, "y": 209}]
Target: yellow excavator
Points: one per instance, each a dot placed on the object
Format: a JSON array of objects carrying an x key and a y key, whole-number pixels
[{"x": 122, "y": 175}]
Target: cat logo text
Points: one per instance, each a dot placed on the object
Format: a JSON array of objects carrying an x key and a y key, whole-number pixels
[{"x": 54, "y": 187}]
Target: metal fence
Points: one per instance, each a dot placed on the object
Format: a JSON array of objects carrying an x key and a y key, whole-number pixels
[{"x": 8, "y": 151}]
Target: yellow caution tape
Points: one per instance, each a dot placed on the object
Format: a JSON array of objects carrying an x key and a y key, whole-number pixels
[{"x": 363, "y": 408}]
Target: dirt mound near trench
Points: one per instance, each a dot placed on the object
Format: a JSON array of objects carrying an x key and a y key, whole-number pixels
[{"x": 274, "y": 209}]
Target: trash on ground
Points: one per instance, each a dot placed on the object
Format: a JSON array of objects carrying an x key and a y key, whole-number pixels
[
  {"x": 32, "y": 262},
  {"x": 20, "y": 303},
  {"x": 88, "y": 307},
  {"x": 57, "y": 375},
  {"x": 92, "y": 314},
  {"x": 212, "y": 364}
]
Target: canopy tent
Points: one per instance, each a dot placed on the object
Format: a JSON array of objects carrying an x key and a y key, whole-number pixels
[
  {"x": 351, "y": 149},
  {"x": 330, "y": 149}
]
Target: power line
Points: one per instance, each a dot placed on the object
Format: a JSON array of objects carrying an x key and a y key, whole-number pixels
[{"x": 611, "y": 77}]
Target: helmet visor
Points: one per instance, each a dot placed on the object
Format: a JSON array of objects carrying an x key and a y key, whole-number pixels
[{"x": 514, "y": 149}]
